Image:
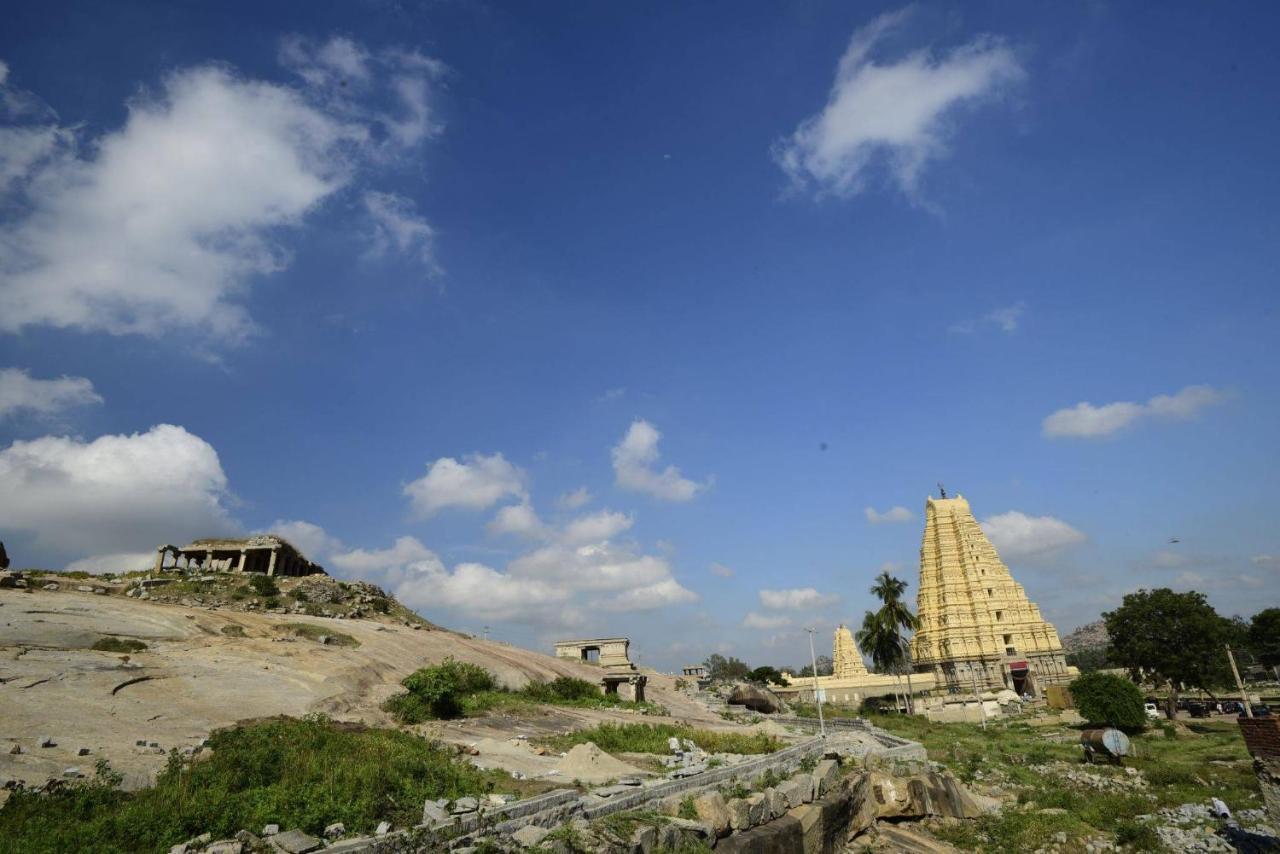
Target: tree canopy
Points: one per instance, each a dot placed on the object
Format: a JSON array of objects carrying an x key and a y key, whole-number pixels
[
  {"x": 721, "y": 669},
  {"x": 1264, "y": 637},
  {"x": 1171, "y": 637}
]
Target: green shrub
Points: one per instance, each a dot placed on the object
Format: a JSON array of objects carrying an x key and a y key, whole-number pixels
[
  {"x": 112, "y": 644},
  {"x": 233, "y": 630},
  {"x": 437, "y": 693},
  {"x": 311, "y": 631},
  {"x": 563, "y": 688},
  {"x": 300, "y": 596},
  {"x": 652, "y": 738},
  {"x": 297, "y": 773},
  {"x": 1102, "y": 698},
  {"x": 1138, "y": 836},
  {"x": 264, "y": 585}
]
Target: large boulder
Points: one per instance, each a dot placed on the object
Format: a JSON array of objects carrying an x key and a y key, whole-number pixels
[{"x": 755, "y": 698}]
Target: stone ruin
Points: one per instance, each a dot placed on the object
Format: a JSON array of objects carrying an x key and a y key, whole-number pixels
[{"x": 267, "y": 554}]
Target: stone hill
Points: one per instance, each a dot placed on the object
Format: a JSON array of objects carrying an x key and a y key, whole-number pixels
[{"x": 1089, "y": 636}]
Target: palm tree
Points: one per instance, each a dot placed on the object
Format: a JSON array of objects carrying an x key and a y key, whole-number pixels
[
  {"x": 896, "y": 616},
  {"x": 879, "y": 639}
]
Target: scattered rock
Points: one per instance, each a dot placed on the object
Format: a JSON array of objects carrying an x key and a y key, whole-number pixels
[
  {"x": 52, "y": 585},
  {"x": 755, "y": 698},
  {"x": 225, "y": 846},
  {"x": 384, "y": 827},
  {"x": 462, "y": 805},
  {"x": 335, "y": 830},
  {"x": 83, "y": 751},
  {"x": 45, "y": 741},
  {"x": 713, "y": 812},
  {"x": 73, "y": 773},
  {"x": 295, "y": 842},
  {"x": 434, "y": 813},
  {"x": 271, "y": 830},
  {"x": 530, "y": 836}
]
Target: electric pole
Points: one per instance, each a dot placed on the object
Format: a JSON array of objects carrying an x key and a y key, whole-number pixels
[{"x": 817, "y": 692}]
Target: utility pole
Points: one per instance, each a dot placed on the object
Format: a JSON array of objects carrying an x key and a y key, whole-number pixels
[
  {"x": 1244, "y": 698},
  {"x": 486, "y": 632},
  {"x": 817, "y": 695}
]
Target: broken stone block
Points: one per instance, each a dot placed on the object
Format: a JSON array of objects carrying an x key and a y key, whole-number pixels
[
  {"x": 739, "y": 814},
  {"x": 530, "y": 836},
  {"x": 825, "y": 776},
  {"x": 15, "y": 748},
  {"x": 45, "y": 741},
  {"x": 84, "y": 588},
  {"x": 53, "y": 585},
  {"x": 433, "y": 813},
  {"x": 271, "y": 830},
  {"x": 462, "y": 805},
  {"x": 797, "y": 790},
  {"x": 758, "y": 807},
  {"x": 83, "y": 751},
  {"x": 384, "y": 827},
  {"x": 295, "y": 842},
  {"x": 776, "y": 802},
  {"x": 73, "y": 773},
  {"x": 225, "y": 846},
  {"x": 335, "y": 830},
  {"x": 713, "y": 812}
]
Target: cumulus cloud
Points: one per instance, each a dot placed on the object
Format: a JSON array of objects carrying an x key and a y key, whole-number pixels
[
  {"x": 1086, "y": 421},
  {"x": 1018, "y": 536},
  {"x": 635, "y": 459},
  {"x": 518, "y": 519},
  {"x": 164, "y": 223},
  {"x": 596, "y": 527},
  {"x": 575, "y": 499},
  {"x": 20, "y": 392},
  {"x": 721, "y": 571},
  {"x": 476, "y": 483},
  {"x": 660, "y": 594},
  {"x": 117, "y": 562},
  {"x": 476, "y": 590},
  {"x": 115, "y": 494},
  {"x": 386, "y": 563},
  {"x": 797, "y": 597},
  {"x": 767, "y": 623},
  {"x": 311, "y": 539},
  {"x": 893, "y": 113},
  {"x": 398, "y": 229},
  {"x": 893, "y": 514}
]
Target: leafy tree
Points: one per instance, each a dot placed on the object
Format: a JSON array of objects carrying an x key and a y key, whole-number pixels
[
  {"x": 1174, "y": 638},
  {"x": 721, "y": 669},
  {"x": 825, "y": 667},
  {"x": 1263, "y": 638},
  {"x": 765, "y": 675},
  {"x": 1104, "y": 698},
  {"x": 437, "y": 692},
  {"x": 879, "y": 639}
]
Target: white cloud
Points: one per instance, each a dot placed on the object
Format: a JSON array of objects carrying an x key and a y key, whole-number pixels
[
  {"x": 1272, "y": 561},
  {"x": 1006, "y": 318},
  {"x": 1086, "y": 421},
  {"x": 397, "y": 228},
  {"x": 477, "y": 483},
  {"x": 575, "y": 499},
  {"x": 660, "y": 594},
  {"x": 797, "y": 597},
  {"x": 893, "y": 514},
  {"x": 634, "y": 461},
  {"x": 117, "y": 562},
  {"x": 1018, "y": 536},
  {"x": 768, "y": 623},
  {"x": 309, "y": 538},
  {"x": 518, "y": 519},
  {"x": 596, "y": 527},
  {"x": 390, "y": 562},
  {"x": 720, "y": 570},
  {"x": 895, "y": 113},
  {"x": 116, "y": 493},
  {"x": 162, "y": 225},
  {"x": 20, "y": 392},
  {"x": 476, "y": 590}
]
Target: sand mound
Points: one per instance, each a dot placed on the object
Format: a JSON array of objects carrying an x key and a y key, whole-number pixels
[{"x": 589, "y": 763}]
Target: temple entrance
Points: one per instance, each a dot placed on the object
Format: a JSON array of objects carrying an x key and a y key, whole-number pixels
[
  {"x": 1023, "y": 682},
  {"x": 591, "y": 654}
]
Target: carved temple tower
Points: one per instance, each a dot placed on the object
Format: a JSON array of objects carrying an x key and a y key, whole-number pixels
[
  {"x": 977, "y": 627},
  {"x": 846, "y": 661}
]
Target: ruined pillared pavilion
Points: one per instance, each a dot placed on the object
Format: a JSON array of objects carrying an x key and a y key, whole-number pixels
[
  {"x": 264, "y": 553},
  {"x": 977, "y": 628}
]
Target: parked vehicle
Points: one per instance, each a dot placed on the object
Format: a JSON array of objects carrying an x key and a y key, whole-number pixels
[{"x": 1152, "y": 710}]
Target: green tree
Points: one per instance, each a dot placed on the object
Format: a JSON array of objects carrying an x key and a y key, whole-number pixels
[
  {"x": 1171, "y": 638},
  {"x": 896, "y": 616},
  {"x": 1264, "y": 638},
  {"x": 765, "y": 675},
  {"x": 825, "y": 667},
  {"x": 721, "y": 669},
  {"x": 1089, "y": 660},
  {"x": 879, "y": 639},
  {"x": 1104, "y": 698}
]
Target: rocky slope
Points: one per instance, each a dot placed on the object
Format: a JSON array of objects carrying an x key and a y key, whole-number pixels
[{"x": 1089, "y": 636}]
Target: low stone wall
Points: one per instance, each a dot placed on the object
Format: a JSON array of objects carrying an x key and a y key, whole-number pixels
[{"x": 894, "y": 747}]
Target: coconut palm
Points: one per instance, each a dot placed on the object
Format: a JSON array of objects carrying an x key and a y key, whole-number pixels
[
  {"x": 879, "y": 639},
  {"x": 896, "y": 616}
]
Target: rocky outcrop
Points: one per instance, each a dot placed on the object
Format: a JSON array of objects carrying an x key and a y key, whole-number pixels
[
  {"x": 755, "y": 698},
  {"x": 1089, "y": 636}
]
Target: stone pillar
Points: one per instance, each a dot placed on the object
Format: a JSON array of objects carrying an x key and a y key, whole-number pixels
[
  {"x": 160, "y": 558},
  {"x": 271, "y": 567},
  {"x": 243, "y": 556}
]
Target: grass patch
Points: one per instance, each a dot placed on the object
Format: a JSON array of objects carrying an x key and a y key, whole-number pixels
[
  {"x": 233, "y": 631},
  {"x": 1177, "y": 771},
  {"x": 114, "y": 644},
  {"x": 310, "y": 631},
  {"x": 297, "y": 773},
  {"x": 652, "y": 738},
  {"x": 809, "y": 710}
]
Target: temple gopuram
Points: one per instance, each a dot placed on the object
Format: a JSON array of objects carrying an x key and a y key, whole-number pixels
[{"x": 978, "y": 629}]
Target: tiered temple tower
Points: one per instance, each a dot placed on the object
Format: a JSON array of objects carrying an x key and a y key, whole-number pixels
[
  {"x": 846, "y": 661},
  {"x": 977, "y": 627}
]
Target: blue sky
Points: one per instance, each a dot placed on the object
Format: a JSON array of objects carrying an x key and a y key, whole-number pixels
[{"x": 644, "y": 319}]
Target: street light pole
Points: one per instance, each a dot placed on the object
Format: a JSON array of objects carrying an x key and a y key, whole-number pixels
[{"x": 817, "y": 696}]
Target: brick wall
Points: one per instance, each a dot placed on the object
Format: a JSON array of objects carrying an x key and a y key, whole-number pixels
[{"x": 1261, "y": 736}]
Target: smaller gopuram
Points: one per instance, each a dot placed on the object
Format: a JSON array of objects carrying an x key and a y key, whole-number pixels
[
  {"x": 846, "y": 661},
  {"x": 978, "y": 629}
]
